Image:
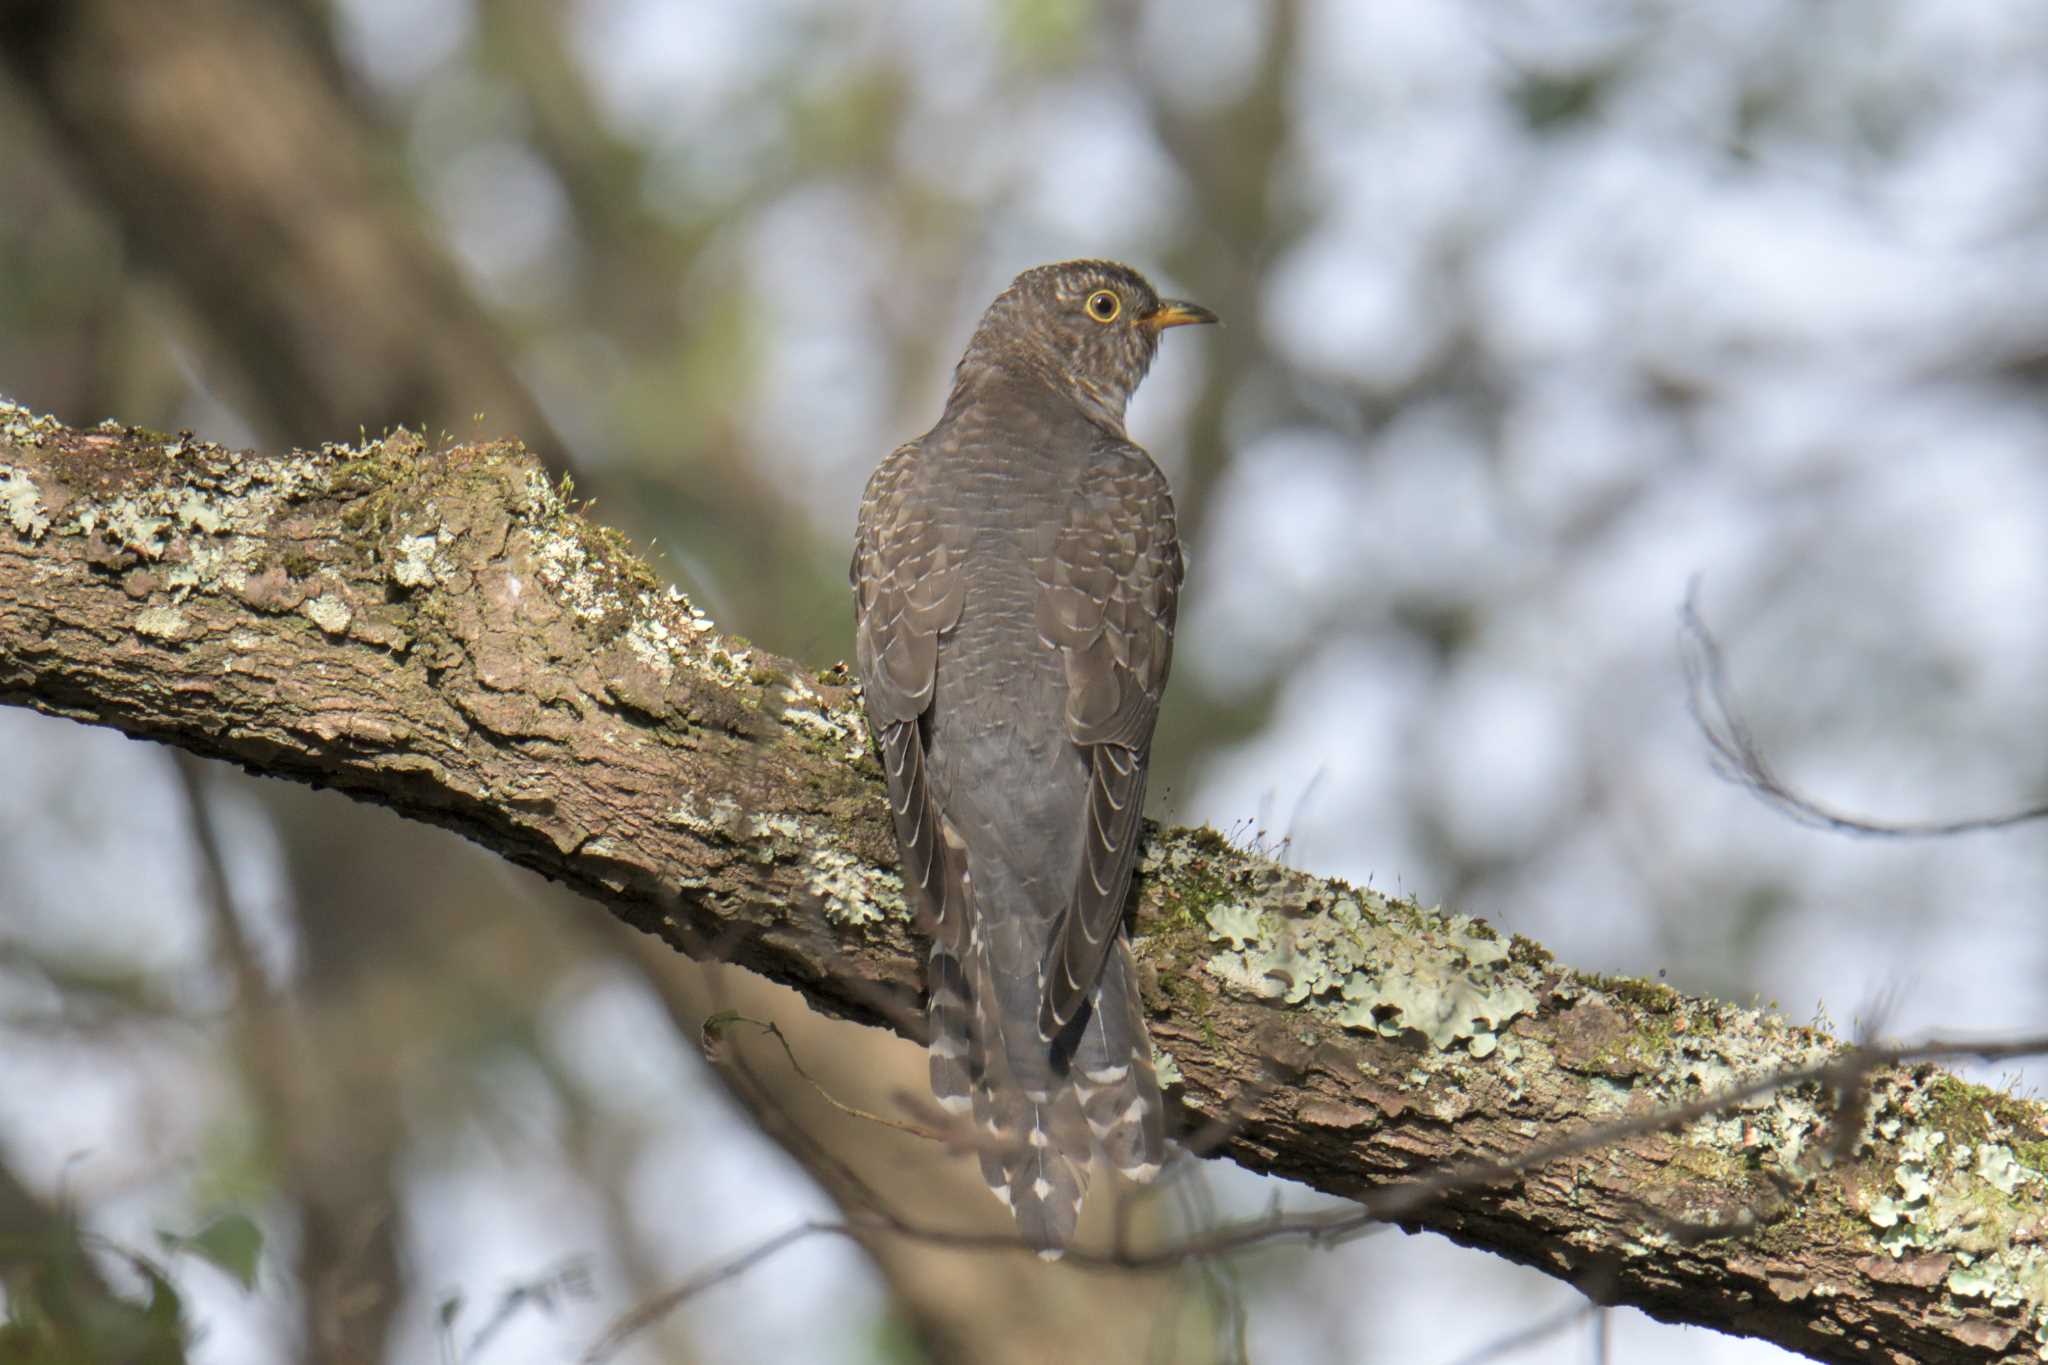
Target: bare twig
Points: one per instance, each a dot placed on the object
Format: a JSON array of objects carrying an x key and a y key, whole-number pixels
[
  {"x": 647, "y": 1314},
  {"x": 711, "y": 1035},
  {"x": 1534, "y": 1334},
  {"x": 1741, "y": 760},
  {"x": 569, "y": 1280}
]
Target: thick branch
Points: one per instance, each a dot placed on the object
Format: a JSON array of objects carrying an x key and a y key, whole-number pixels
[{"x": 438, "y": 632}]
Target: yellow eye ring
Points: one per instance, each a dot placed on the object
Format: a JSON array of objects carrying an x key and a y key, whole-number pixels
[{"x": 1104, "y": 305}]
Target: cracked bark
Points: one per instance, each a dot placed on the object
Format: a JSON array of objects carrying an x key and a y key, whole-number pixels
[{"x": 435, "y": 631}]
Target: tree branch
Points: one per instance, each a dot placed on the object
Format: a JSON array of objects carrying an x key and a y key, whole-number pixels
[{"x": 439, "y": 631}]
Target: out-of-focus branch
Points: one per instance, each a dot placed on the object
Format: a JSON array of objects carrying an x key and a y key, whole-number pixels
[
  {"x": 438, "y": 632},
  {"x": 224, "y": 147},
  {"x": 347, "y": 1261}
]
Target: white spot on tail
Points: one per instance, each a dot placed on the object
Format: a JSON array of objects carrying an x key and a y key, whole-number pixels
[
  {"x": 956, "y": 1105},
  {"x": 1143, "y": 1173},
  {"x": 1041, "y": 1187},
  {"x": 1109, "y": 1075}
]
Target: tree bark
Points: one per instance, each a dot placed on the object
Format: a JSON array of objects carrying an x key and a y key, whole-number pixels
[{"x": 439, "y": 632}]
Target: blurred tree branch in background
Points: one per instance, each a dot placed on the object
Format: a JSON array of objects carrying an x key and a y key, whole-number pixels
[
  {"x": 439, "y": 632},
  {"x": 240, "y": 174}
]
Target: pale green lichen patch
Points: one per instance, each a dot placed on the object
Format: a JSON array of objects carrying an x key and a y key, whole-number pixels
[
  {"x": 1955, "y": 1186},
  {"x": 1972, "y": 1282},
  {"x": 589, "y": 572},
  {"x": 544, "y": 499},
  {"x": 651, "y": 641},
  {"x": 21, "y": 503},
  {"x": 566, "y": 567},
  {"x": 134, "y": 524},
  {"x": 196, "y": 513},
  {"x": 1900, "y": 1211},
  {"x": 1369, "y": 964},
  {"x": 1996, "y": 1164},
  {"x": 723, "y": 819},
  {"x": 204, "y": 534},
  {"x": 160, "y": 623},
  {"x": 419, "y": 561},
  {"x": 841, "y": 727},
  {"x": 1236, "y": 925},
  {"x": 851, "y": 889},
  {"x": 729, "y": 662},
  {"x": 329, "y": 611},
  {"x": 1447, "y": 986},
  {"x": 1606, "y": 1098},
  {"x": 24, "y": 427}
]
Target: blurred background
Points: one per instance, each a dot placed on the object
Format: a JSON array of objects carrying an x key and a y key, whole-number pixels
[{"x": 1536, "y": 313}]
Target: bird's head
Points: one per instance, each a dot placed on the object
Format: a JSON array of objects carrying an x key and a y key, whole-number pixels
[{"x": 1091, "y": 327}]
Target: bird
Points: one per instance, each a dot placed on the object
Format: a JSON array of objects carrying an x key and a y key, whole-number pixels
[{"x": 1016, "y": 574}]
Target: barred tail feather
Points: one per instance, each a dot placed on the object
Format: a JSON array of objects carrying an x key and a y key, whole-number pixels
[
  {"x": 1035, "y": 1159},
  {"x": 1032, "y": 1141},
  {"x": 954, "y": 1064},
  {"x": 1112, "y": 1074}
]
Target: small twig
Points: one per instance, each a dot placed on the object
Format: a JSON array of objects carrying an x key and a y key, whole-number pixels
[
  {"x": 715, "y": 1024},
  {"x": 569, "y": 1280},
  {"x": 1535, "y": 1334},
  {"x": 655, "y": 1309},
  {"x": 1741, "y": 760}
]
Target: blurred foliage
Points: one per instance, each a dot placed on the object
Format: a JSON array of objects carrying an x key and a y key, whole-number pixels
[{"x": 61, "y": 1311}]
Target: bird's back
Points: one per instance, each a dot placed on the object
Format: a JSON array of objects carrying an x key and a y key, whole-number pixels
[{"x": 1000, "y": 760}]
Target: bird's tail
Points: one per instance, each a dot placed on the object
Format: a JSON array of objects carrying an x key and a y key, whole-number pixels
[
  {"x": 1028, "y": 1125},
  {"x": 1033, "y": 1142},
  {"x": 1035, "y": 1107},
  {"x": 948, "y": 1024},
  {"x": 1029, "y": 1130},
  {"x": 1035, "y": 1159},
  {"x": 1111, "y": 1073}
]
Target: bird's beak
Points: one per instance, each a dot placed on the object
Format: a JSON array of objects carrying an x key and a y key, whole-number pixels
[{"x": 1175, "y": 313}]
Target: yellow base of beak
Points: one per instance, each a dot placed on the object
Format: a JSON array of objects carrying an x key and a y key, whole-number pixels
[{"x": 1177, "y": 313}]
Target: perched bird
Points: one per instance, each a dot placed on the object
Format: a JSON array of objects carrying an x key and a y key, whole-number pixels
[{"x": 1015, "y": 578}]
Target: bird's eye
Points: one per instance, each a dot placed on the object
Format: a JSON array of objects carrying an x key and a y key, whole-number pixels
[{"x": 1104, "y": 305}]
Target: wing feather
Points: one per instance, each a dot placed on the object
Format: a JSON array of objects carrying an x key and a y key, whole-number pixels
[
  {"x": 1108, "y": 595},
  {"x": 907, "y": 592}
]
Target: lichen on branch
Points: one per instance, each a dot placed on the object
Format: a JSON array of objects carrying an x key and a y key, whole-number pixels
[{"x": 437, "y": 628}]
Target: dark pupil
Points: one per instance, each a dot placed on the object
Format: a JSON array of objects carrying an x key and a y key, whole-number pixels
[{"x": 1102, "y": 305}]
